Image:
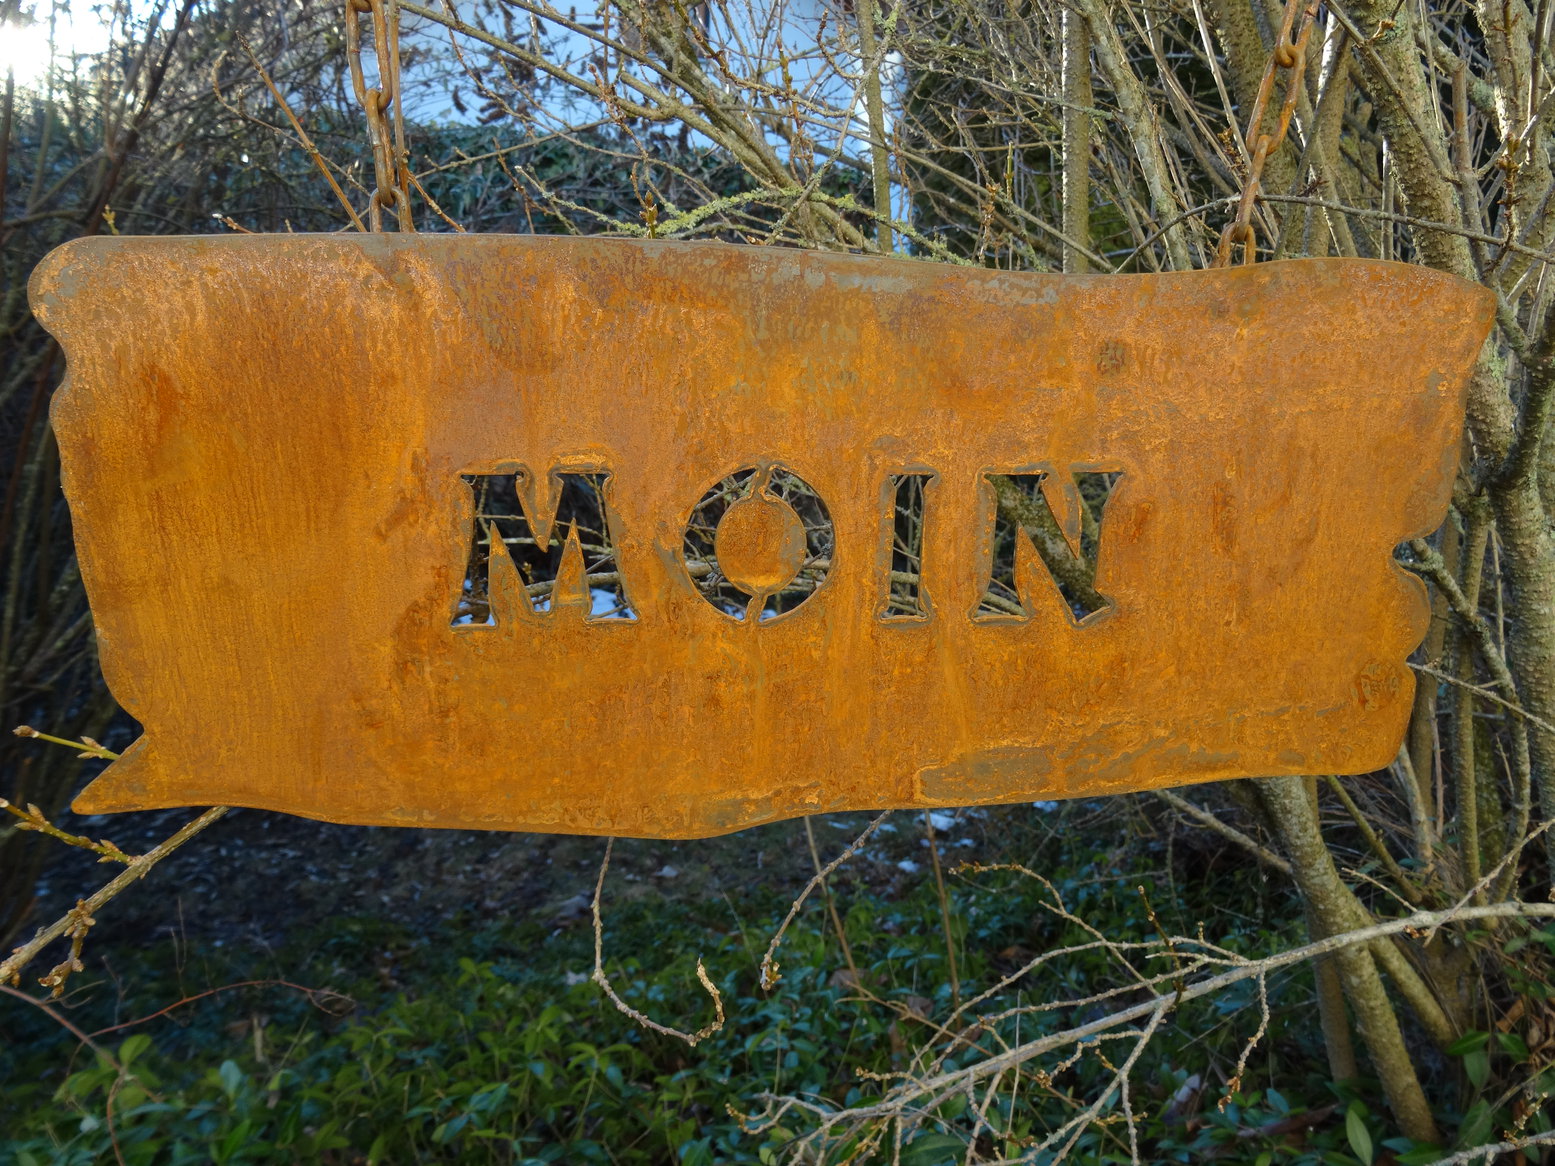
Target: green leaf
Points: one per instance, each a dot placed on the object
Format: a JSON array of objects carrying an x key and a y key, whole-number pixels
[
  {"x": 235, "y": 1140},
  {"x": 933, "y": 1150},
  {"x": 133, "y": 1047},
  {"x": 1359, "y": 1136},
  {"x": 1477, "y": 1066},
  {"x": 1477, "y": 1125},
  {"x": 1467, "y": 1043},
  {"x": 231, "y": 1078},
  {"x": 1511, "y": 1043}
]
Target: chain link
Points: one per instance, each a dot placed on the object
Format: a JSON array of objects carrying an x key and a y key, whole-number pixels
[
  {"x": 390, "y": 167},
  {"x": 1290, "y": 54}
]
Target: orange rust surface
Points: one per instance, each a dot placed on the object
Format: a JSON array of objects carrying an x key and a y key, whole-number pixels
[{"x": 263, "y": 439}]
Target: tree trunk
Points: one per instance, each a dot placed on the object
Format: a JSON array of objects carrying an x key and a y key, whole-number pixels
[{"x": 1290, "y": 808}]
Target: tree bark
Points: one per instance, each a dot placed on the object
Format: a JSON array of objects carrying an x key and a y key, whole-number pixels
[
  {"x": 1291, "y": 811},
  {"x": 1076, "y": 142}
]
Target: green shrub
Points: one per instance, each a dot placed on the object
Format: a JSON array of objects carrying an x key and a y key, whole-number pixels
[{"x": 488, "y": 1044}]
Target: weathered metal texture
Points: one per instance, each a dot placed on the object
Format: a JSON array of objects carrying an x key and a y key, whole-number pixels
[{"x": 263, "y": 441}]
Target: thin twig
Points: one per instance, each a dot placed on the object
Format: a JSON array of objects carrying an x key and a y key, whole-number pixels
[
  {"x": 11, "y": 968},
  {"x": 769, "y": 970},
  {"x": 928, "y": 1093},
  {"x": 691, "y": 1038},
  {"x": 1262, "y": 853},
  {"x": 302, "y": 134},
  {"x": 831, "y": 909}
]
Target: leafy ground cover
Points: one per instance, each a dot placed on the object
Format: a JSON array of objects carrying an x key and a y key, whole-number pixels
[{"x": 428, "y": 998}]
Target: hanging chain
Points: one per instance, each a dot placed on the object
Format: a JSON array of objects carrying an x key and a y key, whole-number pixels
[
  {"x": 1290, "y": 54},
  {"x": 390, "y": 167}
]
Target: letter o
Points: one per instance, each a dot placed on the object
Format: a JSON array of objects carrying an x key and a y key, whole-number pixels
[{"x": 759, "y": 544}]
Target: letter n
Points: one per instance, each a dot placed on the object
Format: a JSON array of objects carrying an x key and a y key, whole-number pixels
[{"x": 1044, "y": 528}]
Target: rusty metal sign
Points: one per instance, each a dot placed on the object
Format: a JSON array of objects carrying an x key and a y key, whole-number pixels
[{"x": 668, "y": 539}]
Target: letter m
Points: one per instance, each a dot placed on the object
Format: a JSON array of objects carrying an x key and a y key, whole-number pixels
[{"x": 530, "y": 554}]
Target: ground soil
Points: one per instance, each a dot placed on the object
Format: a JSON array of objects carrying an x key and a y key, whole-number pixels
[{"x": 256, "y": 877}]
